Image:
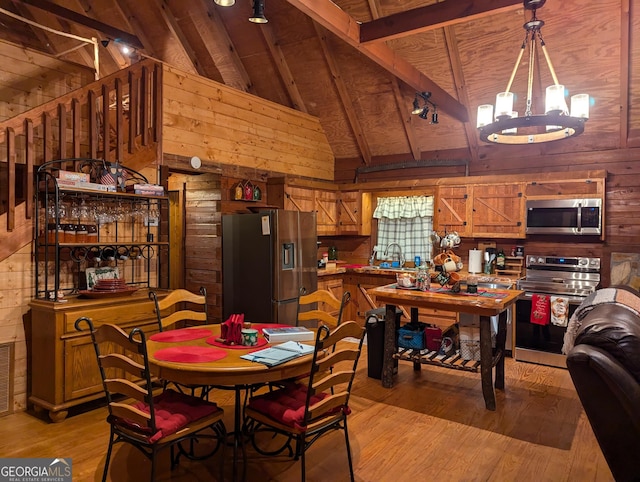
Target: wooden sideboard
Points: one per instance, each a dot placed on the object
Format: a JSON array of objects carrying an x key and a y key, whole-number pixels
[{"x": 64, "y": 371}]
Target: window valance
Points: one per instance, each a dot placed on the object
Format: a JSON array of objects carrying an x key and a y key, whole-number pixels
[{"x": 404, "y": 207}]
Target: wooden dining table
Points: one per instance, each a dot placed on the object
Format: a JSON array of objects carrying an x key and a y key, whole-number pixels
[
  {"x": 192, "y": 356},
  {"x": 484, "y": 304}
]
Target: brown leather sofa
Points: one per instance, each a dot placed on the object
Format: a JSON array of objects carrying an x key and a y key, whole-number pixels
[{"x": 605, "y": 368}]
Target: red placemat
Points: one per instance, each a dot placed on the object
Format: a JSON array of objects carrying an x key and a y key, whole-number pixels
[
  {"x": 189, "y": 354},
  {"x": 182, "y": 334},
  {"x": 212, "y": 341}
]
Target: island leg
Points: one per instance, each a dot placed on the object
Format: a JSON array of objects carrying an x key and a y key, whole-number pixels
[
  {"x": 501, "y": 338},
  {"x": 486, "y": 363},
  {"x": 389, "y": 346}
]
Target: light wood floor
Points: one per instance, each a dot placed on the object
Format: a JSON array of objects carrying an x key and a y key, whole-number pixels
[{"x": 431, "y": 426}]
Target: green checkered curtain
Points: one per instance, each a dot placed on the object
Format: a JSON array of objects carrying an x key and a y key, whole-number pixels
[{"x": 408, "y": 221}]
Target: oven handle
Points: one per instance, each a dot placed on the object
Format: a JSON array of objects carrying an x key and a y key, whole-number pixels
[{"x": 573, "y": 300}]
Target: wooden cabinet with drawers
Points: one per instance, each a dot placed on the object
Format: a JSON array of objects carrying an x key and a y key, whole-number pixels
[{"x": 64, "y": 371}]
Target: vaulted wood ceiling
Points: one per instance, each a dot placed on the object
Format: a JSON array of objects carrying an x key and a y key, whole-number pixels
[{"x": 357, "y": 64}]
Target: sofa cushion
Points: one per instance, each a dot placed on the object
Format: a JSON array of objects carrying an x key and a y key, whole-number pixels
[{"x": 616, "y": 330}]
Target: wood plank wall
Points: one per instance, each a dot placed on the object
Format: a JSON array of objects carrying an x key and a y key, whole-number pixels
[{"x": 222, "y": 125}]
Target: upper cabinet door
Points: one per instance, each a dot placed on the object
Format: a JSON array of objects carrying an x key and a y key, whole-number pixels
[
  {"x": 354, "y": 211},
  {"x": 498, "y": 210},
  {"x": 454, "y": 210},
  {"x": 326, "y": 208},
  {"x": 299, "y": 199}
]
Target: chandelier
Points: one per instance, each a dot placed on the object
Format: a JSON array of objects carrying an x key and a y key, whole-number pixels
[{"x": 506, "y": 127}]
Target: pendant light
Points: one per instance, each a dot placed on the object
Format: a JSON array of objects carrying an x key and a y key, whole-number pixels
[
  {"x": 505, "y": 126},
  {"x": 258, "y": 12}
]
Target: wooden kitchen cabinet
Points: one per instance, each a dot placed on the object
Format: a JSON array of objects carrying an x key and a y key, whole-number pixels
[
  {"x": 363, "y": 301},
  {"x": 333, "y": 284},
  {"x": 498, "y": 211},
  {"x": 482, "y": 210},
  {"x": 560, "y": 185},
  {"x": 298, "y": 199},
  {"x": 454, "y": 209},
  {"x": 326, "y": 208},
  {"x": 337, "y": 212},
  {"x": 64, "y": 370},
  {"x": 355, "y": 213}
]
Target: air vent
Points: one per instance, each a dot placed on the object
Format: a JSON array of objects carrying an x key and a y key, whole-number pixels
[{"x": 6, "y": 378}]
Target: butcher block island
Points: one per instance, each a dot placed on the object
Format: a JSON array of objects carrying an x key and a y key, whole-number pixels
[{"x": 64, "y": 370}]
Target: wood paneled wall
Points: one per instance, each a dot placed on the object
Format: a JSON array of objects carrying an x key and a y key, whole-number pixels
[{"x": 222, "y": 125}]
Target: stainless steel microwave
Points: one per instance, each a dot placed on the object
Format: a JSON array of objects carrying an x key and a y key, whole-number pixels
[{"x": 564, "y": 216}]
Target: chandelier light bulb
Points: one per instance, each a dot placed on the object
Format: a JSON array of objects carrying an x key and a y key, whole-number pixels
[
  {"x": 485, "y": 115},
  {"x": 504, "y": 104},
  {"x": 554, "y": 100},
  {"x": 580, "y": 106}
]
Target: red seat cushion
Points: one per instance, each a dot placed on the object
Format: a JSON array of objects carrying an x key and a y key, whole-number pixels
[
  {"x": 173, "y": 411},
  {"x": 287, "y": 405}
]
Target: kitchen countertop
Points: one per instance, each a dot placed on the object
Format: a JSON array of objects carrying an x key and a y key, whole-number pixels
[{"x": 365, "y": 269}]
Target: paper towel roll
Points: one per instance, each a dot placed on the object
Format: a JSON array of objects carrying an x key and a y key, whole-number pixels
[{"x": 475, "y": 261}]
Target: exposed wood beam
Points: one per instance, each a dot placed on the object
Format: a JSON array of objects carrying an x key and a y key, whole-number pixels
[
  {"x": 343, "y": 93},
  {"x": 437, "y": 15},
  {"x": 178, "y": 34},
  {"x": 221, "y": 49},
  {"x": 451, "y": 44},
  {"x": 116, "y": 55},
  {"x": 111, "y": 32},
  {"x": 407, "y": 121},
  {"x": 135, "y": 26},
  {"x": 23, "y": 11},
  {"x": 330, "y": 16},
  {"x": 58, "y": 45},
  {"x": 283, "y": 67}
]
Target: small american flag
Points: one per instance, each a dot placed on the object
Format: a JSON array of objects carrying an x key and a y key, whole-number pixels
[{"x": 114, "y": 175}]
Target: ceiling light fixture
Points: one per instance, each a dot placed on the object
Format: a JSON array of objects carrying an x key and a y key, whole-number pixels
[
  {"x": 555, "y": 124},
  {"x": 258, "y": 12},
  {"x": 423, "y": 111},
  {"x": 225, "y": 3}
]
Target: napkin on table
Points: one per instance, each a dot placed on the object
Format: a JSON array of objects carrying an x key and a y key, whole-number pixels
[{"x": 231, "y": 330}]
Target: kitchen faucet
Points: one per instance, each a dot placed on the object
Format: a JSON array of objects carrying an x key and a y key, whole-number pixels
[
  {"x": 401, "y": 257},
  {"x": 373, "y": 255}
]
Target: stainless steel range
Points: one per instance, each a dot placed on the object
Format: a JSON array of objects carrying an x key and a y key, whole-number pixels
[{"x": 571, "y": 278}]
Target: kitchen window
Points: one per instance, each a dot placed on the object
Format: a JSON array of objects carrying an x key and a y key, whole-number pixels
[{"x": 408, "y": 221}]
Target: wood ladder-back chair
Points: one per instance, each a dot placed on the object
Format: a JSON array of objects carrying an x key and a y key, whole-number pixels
[
  {"x": 315, "y": 313},
  {"x": 172, "y": 309},
  {"x": 306, "y": 412},
  {"x": 150, "y": 423},
  {"x": 176, "y": 301}
]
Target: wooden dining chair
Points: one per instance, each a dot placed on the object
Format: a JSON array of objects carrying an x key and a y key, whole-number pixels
[
  {"x": 180, "y": 306},
  {"x": 150, "y": 422},
  {"x": 309, "y": 307},
  {"x": 304, "y": 412}
]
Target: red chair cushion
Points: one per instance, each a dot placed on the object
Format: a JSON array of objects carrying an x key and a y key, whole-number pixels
[
  {"x": 173, "y": 411},
  {"x": 287, "y": 404}
]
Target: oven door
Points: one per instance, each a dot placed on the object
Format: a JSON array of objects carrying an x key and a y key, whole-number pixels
[{"x": 540, "y": 343}]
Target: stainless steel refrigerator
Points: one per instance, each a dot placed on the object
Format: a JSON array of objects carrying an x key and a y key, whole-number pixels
[{"x": 267, "y": 257}]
